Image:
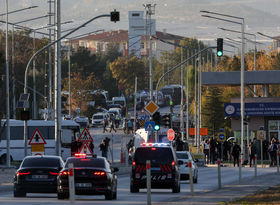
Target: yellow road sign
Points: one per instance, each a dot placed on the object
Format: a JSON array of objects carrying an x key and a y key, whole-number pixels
[{"x": 151, "y": 107}]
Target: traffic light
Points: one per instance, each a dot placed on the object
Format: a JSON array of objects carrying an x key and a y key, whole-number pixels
[
  {"x": 115, "y": 16},
  {"x": 166, "y": 120},
  {"x": 219, "y": 47},
  {"x": 157, "y": 119},
  {"x": 24, "y": 115}
]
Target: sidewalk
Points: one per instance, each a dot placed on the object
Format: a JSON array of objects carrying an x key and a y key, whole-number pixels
[{"x": 229, "y": 193}]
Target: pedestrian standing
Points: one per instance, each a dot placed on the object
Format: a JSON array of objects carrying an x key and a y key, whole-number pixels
[
  {"x": 252, "y": 151},
  {"x": 112, "y": 125},
  {"x": 272, "y": 152},
  {"x": 212, "y": 148},
  {"x": 205, "y": 145},
  {"x": 104, "y": 124},
  {"x": 236, "y": 153}
]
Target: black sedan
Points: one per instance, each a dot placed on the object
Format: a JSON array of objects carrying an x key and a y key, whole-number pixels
[
  {"x": 37, "y": 174},
  {"x": 92, "y": 176}
]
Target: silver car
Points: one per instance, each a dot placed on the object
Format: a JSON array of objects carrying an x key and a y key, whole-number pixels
[{"x": 186, "y": 157}]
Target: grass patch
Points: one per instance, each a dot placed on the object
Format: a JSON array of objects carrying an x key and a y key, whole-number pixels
[{"x": 268, "y": 196}]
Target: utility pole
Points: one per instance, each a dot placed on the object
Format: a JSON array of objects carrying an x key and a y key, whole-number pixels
[
  {"x": 57, "y": 81},
  {"x": 13, "y": 73},
  {"x": 8, "y": 160},
  {"x": 34, "y": 80},
  {"x": 150, "y": 10},
  {"x": 50, "y": 63},
  {"x": 195, "y": 101},
  {"x": 69, "y": 78},
  {"x": 182, "y": 99},
  {"x": 187, "y": 98}
]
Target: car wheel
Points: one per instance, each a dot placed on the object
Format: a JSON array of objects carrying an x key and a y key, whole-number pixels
[
  {"x": 176, "y": 188},
  {"x": 62, "y": 195},
  {"x": 134, "y": 189},
  {"x": 18, "y": 193},
  {"x": 109, "y": 195}
]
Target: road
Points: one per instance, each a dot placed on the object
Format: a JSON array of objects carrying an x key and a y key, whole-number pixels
[{"x": 207, "y": 181}]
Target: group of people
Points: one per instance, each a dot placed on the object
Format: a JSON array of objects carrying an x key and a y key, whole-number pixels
[
  {"x": 111, "y": 122},
  {"x": 214, "y": 150}
]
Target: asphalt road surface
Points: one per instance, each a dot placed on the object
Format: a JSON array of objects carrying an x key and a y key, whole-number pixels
[{"x": 207, "y": 181}]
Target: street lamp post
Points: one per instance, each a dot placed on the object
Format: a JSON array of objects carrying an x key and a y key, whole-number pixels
[
  {"x": 242, "y": 23},
  {"x": 38, "y": 52}
]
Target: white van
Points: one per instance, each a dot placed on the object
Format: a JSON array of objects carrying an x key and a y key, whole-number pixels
[{"x": 119, "y": 100}]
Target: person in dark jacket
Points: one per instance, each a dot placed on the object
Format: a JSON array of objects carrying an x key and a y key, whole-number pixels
[
  {"x": 236, "y": 153},
  {"x": 212, "y": 149},
  {"x": 252, "y": 151}
]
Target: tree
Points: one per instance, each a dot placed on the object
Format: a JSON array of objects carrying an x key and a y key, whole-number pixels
[
  {"x": 213, "y": 110},
  {"x": 80, "y": 89},
  {"x": 124, "y": 70}
]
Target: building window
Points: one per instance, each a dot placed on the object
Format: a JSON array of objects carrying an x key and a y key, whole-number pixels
[
  {"x": 124, "y": 46},
  {"x": 142, "y": 45},
  {"x": 273, "y": 129}
]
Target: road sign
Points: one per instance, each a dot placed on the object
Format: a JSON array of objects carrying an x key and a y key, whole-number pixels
[
  {"x": 151, "y": 107},
  {"x": 203, "y": 131},
  {"x": 261, "y": 135},
  {"x": 221, "y": 137},
  {"x": 170, "y": 134},
  {"x": 149, "y": 125},
  {"x": 38, "y": 149},
  {"x": 85, "y": 137},
  {"x": 85, "y": 150},
  {"x": 23, "y": 100},
  {"x": 37, "y": 138}
]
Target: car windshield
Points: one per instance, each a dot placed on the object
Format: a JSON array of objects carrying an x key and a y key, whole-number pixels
[
  {"x": 41, "y": 162},
  {"x": 86, "y": 162},
  {"x": 98, "y": 117},
  {"x": 182, "y": 155},
  {"x": 155, "y": 154}
]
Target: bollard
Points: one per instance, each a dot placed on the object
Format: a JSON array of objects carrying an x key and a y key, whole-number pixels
[
  {"x": 256, "y": 164},
  {"x": 71, "y": 184},
  {"x": 277, "y": 161},
  {"x": 240, "y": 165},
  {"x": 191, "y": 178},
  {"x": 219, "y": 175},
  {"x": 148, "y": 174}
]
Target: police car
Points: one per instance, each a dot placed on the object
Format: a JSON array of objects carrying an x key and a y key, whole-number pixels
[{"x": 164, "y": 167}]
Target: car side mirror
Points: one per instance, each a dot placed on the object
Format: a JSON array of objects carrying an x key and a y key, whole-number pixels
[
  {"x": 180, "y": 162},
  {"x": 115, "y": 169}
]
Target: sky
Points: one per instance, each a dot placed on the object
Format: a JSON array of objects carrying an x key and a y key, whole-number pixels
[{"x": 181, "y": 17}]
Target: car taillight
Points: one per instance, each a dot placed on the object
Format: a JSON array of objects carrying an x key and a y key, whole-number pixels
[
  {"x": 99, "y": 173},
  {"x": 64, "y": 173},
  {"x": 54, "y": 173},
  {"x": 133, "y": 164},
  {"x": 22, "y": 173},
  {"x": 173, "y": 164}
]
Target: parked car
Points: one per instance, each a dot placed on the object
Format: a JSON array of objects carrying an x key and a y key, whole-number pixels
[
  {"x": 97, "y": 119},
  {"x": 118, "y": 116},
  {"x": 92, "y": 176},
  {"x": 186, "y": 157},
  {"x": 37, "y": 174},
  {"x": 82, "y": 121}
]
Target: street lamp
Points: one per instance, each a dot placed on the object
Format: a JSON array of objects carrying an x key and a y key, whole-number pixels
[
  {"x": 38, "y": 52},
  {"x": 242, "y": 23},
  {"x": 255, "y": 49}
]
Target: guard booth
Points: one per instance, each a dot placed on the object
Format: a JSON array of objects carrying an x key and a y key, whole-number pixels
[{"x": 261, "y": 121}]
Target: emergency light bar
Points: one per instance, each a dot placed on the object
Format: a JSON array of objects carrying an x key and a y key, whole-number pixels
[{"x": 144, "y": 144}]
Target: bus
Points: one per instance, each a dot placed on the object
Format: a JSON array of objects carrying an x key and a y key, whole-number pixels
[
  {"x": 173, "y": 91},
  {"x": 70, "y": 134}
]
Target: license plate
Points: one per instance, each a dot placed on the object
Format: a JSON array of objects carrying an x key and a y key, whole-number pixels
[
  {"x": 155, "y": 168},
  {"x": 39, "y": 176},
  {"x": 83, "y": 184}
]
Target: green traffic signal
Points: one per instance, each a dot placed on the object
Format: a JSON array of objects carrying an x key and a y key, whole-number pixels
[
  {"x": 157, "y": 127},
  {"x": 219, "y": 53},
  {"x": 220, "y": 47}
]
